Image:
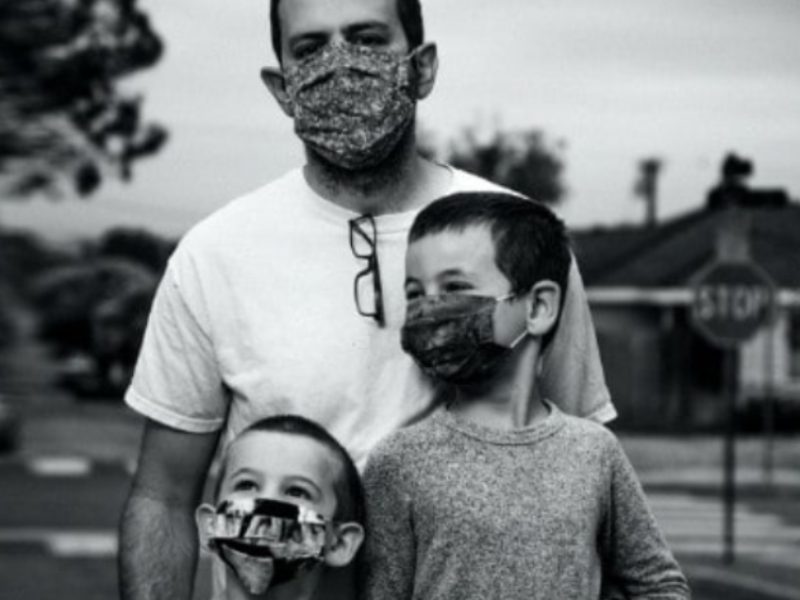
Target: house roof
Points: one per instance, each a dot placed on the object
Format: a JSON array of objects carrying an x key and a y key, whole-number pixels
[{"x": 672, "y": 252}]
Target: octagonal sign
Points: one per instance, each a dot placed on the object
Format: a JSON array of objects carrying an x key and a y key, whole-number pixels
[{"x": 731, "y": 301}]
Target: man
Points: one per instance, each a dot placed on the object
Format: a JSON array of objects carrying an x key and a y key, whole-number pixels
[{"x": 290, "y": 299}]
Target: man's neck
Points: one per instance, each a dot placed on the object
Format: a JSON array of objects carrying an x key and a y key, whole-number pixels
[
  {"x": 511, "y": 400},
  {"x": 404, "y": 181}
]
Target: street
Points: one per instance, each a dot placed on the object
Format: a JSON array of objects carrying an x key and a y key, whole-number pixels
[{"x": 58, "y": 540}]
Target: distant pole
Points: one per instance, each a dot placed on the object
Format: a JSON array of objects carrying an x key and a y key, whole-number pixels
[
  {"x": 769, "y": 407},
  {"x": 730, "y": 374}
]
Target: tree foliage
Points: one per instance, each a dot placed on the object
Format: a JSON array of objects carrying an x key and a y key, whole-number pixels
[
  {"x": 522, "y": 160},
  {"x": 63, "y": 118}
]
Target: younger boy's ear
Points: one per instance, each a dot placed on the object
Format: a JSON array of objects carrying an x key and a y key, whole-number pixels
[
  {"x": 544, "y": 305},
  {"x": 347, "y": 541},
  {"x": 426, "y": 60},
  {"x": 204, "y": 519},
  {"x": 276, "y": 84}
]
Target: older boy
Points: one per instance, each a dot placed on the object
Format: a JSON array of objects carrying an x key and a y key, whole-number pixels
[
  {"x": 289, "y": 502},
  {"x": 500, "y": 494}
]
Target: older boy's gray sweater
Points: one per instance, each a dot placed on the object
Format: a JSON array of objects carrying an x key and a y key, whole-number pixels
[{"x": 550, "y": 512}]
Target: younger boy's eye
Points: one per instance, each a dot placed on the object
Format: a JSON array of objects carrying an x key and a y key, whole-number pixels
[
  {"x": 296, "y": 491},
  {"x": 245, "y": 485}
]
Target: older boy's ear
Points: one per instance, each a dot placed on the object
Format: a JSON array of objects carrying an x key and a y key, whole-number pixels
[
  {"x": 347, "y": 541},
  {"x": 426, "y": 60},
  {"x": 544, "y": 303},
  {"x": 204, "y": 519},
  {"x": 276, "y": 84}
]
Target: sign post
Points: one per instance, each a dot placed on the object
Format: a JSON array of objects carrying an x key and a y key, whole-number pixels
[{"x": 731, "y": 301}]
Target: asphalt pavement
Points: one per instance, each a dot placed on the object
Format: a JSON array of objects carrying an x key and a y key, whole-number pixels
[{"x": 63, "y": 490}]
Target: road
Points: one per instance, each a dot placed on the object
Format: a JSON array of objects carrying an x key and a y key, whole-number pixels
[{"x": 58, "y": 542}]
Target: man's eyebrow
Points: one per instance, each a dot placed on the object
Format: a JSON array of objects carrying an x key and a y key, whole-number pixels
[{"x": 358, "y": 27}]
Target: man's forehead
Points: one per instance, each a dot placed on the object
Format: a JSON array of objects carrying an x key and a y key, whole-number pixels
[{"x": 300, "y": 17}]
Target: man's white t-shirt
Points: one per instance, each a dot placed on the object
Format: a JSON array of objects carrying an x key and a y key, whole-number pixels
[{"x": 256, "y": 316}]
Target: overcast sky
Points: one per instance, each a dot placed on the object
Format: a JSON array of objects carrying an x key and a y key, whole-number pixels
[{"x": 617, "y": 80}]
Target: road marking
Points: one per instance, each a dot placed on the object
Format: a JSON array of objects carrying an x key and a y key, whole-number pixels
[
  {"x": 59, "y": 466},
  {"x": 746, "y": 582},
  {"x": 64, "y": 543}
]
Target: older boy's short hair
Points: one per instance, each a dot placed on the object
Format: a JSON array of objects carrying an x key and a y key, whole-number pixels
[
  {"x": 409, "y": 11},
  {"x": 350, "y": 504},
  {"x": 530, "y": 242}
]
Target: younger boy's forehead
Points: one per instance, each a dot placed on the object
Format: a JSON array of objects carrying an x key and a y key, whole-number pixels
[{"x": 279, "y": 456}]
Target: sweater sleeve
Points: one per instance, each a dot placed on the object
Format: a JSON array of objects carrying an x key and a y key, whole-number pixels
[
  {"x": 637, "y": 563},
  {"x": 389, "y": 557}
]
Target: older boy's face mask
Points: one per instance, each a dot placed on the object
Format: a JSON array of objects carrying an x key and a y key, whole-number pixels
[
  {"x": 266, "y": 542},
  {"x": 452, "y": 338},
  {"x": 352, "y": 104}
]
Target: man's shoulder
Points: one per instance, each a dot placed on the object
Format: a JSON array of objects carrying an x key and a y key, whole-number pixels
[
  {"x": 240, "y": 215},
  {"x": 464, "y": 181}
]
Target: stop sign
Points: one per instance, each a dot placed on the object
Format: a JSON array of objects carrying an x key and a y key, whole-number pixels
[{"x": 731, "y": 301}]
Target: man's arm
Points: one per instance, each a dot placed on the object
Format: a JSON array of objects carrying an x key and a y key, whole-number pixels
[{"x": 158, "y": 538}]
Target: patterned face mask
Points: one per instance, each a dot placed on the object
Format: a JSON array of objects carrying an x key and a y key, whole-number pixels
[
  {"x": 352, "y": 104},
  {"x": 266, "y": 542},
  {"x": 451, "y": 337}
]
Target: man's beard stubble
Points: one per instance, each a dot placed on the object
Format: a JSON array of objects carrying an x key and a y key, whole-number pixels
[{"x": 369, "y": 180}]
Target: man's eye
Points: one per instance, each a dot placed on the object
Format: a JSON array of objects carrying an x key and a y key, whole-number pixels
[
  {"x": 370, "y": 39},
  {"x": 298, "y": 492},
  {"x": 305, "y": 49}
]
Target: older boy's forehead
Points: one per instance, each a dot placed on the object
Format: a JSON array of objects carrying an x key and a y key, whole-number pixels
[
  {"x": 306, "y": 17},
  {"x": 468, "y": 250}
]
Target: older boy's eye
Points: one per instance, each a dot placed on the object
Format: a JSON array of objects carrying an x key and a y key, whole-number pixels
[{"x": 453, "y": 287}]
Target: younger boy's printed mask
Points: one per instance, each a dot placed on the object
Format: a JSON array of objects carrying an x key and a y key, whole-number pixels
[
  {"x": 451, "y": 336},
  {"x": 352, "y": 104},
  {"x": 266, "y": 542}
]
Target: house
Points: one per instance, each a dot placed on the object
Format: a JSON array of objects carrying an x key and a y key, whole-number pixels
[{"x": 661, "y": 372}]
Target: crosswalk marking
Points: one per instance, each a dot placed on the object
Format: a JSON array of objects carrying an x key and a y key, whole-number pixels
[
  {"x": 60, "y": 466},
  {"x": 693, "y": 526},
  {"x": 64, "y": 543}
]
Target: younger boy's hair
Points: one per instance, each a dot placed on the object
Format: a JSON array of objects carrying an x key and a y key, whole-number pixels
[
  {"x": 350, "y": 504},
  {"x": 530, "y": 242}
]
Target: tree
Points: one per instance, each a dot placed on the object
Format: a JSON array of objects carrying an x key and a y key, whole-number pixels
[
  {"x": 522, "y": 160},
  {"x": 62, "y": 117}
]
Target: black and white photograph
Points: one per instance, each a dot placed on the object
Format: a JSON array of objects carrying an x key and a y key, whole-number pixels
[{"x": 400, "y": 300}]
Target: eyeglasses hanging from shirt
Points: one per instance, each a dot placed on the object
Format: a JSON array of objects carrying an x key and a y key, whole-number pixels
[{"x": 367, "y": 289}]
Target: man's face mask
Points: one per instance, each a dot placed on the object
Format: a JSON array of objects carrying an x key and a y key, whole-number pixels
[
  {"x": 266, "y": 542},
  {"x": 352, "y": 104},
  {"x": 451, "y": 337}
]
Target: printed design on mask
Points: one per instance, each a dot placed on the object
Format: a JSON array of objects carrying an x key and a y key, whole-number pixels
[
  {"x": 451, "y": 336},
  {"x": 352, "y": 104},
  {"x": 266, "y": 542}
]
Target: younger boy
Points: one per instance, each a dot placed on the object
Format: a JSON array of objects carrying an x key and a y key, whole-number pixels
[
  {"x": 289, "y": 502},
  {"x": 499, "y": 494}
]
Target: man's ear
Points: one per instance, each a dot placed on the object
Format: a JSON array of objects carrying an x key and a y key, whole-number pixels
[
  {"x": 276, "y": 84},
  {"x": 346, "y": 542},
  {"x": 204, "y": 519},
  {"x": 544, "y": 301},
  {"x": 426, "y": 61}
]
